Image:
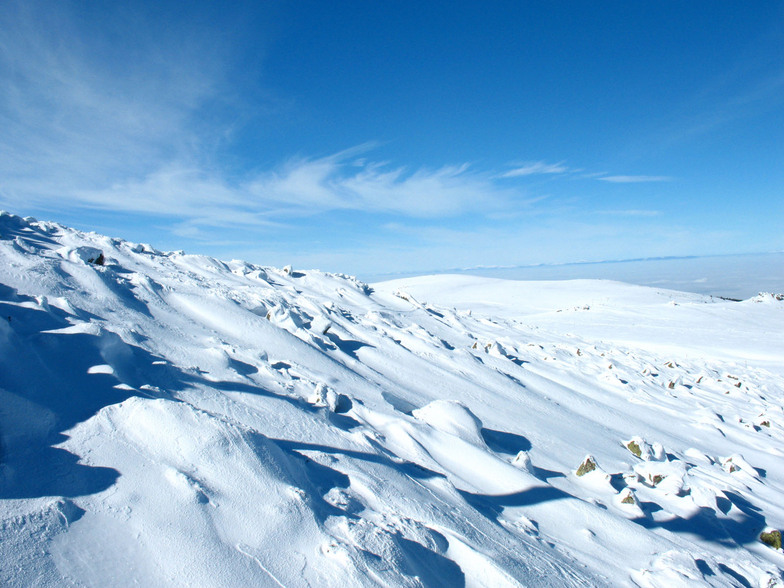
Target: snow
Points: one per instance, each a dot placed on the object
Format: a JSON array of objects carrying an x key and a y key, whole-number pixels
[{"x": 172, "y": 419}]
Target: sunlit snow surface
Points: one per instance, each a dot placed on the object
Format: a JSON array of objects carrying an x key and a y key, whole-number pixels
[
  {"x": 726, "y": 276},
  {"x": 171, "y": 419}
]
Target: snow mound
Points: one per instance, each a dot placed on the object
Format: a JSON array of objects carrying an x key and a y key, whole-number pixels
[
  {"x": 452, "y": 417},
  {"x": 768, "y": 297},
  {"x": 84, "y": 254}
]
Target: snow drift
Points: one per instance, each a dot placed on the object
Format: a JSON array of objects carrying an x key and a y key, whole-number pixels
[{"x": 172, "y": 419}]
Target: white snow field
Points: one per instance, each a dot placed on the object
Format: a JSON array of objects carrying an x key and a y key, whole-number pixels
[{"x": 175, "y": 420}]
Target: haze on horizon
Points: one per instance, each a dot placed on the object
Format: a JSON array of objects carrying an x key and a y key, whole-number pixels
[{"x": 379, "y": 138}]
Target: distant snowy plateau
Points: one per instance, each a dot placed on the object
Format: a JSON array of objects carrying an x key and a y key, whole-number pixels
[{"x": 174, "y": 420}]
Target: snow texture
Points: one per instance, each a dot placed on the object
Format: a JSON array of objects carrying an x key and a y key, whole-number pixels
[{"x": 173, "y": 419}]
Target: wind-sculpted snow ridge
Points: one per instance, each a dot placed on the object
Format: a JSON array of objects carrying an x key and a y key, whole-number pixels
[{"x": 172, "y": 419}]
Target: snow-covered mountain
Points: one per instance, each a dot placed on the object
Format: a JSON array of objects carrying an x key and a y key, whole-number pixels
[{"x": 172, "y": 419}]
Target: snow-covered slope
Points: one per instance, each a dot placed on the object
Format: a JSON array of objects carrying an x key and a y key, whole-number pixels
[{"x": 171, "y": 419}]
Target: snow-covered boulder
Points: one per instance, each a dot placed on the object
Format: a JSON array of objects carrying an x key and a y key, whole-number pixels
[
  {"x": 84, "y": 254},
  {"x": 453, "y": 417}
]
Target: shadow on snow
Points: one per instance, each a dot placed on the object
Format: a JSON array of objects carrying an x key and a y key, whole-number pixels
[{"x": 47, "y": 389}]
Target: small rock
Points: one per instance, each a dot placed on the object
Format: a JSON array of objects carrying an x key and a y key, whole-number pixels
[
  {"x": 771, "y": 538},
  {"x": 628, "y": 497},
  {"x": 588, "y": 465},
  {"x": 642, "y": 449},
  {"x": 634, "y": 448},
  {"x": 736, "y": 463}
]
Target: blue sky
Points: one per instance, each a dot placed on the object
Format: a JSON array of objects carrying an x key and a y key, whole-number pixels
[{"x": 379, "y": 137}]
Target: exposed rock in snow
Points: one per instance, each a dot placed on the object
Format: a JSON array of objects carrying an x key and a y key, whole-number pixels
[
  {"x": 587, "y": 466},
  {"x": 91, "y": 255}
]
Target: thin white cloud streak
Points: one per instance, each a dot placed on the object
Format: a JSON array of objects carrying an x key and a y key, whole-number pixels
[
  {"x": 635, "y": 179},
  {"x": 302, "y": 187},
  {"x": 186, "y": 193},
  {"x": 638, "y": 213},
  {"x": 538, "y": 167},
  {"x": 543, "y": 168},
  {"x": 323, "y": 184},
  {"x": 736, "y": 95}
]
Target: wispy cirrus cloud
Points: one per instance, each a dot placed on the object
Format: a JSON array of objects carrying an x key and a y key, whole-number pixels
[
  {"x": 544, "y": 168},
  {"x": 334, "y": 183},
  {"x": 631, "y": 212},
  {"x": 61, "y": 100},
  {"x": 302, "y": 187},
  {"x": 634, "y": 179},
  {"x": 117, "y": 117},
  {"x": 99, "y": 98},
  {"x": 113, "y": 120},
  {"x": 534, "y": 168}
]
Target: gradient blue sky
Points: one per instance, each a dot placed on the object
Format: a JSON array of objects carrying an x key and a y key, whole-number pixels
[{"x": 375, "y": 137}]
